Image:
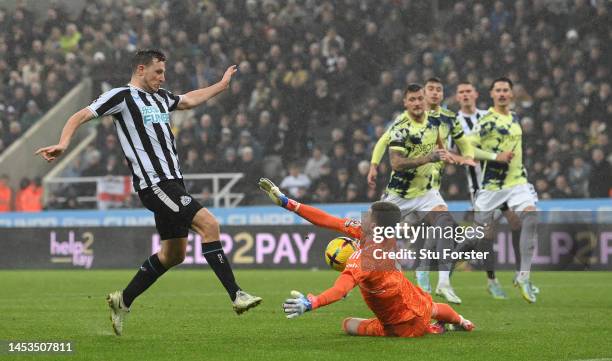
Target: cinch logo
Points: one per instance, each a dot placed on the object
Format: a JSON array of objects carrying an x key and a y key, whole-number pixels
[
  {"x": 73, "y": 252},
  {"x": 151, "y": 114}
]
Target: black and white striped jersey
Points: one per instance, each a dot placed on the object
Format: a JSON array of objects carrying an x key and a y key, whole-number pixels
[
  {"x": 468, "y": 122},
  {"x": 143, "y": 127}
]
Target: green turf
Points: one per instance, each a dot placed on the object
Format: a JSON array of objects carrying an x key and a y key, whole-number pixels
[{"x": 187, "y": 316}]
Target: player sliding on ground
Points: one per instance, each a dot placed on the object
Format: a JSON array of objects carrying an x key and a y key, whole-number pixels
[{"x": 401, "y": 308}]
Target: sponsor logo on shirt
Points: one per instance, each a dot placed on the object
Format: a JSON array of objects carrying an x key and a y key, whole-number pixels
[{"x": 152, "y": 114}]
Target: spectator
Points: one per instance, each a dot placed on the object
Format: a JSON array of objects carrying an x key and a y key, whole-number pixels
[
  {"x": 251, "y": 168},
  {"x": 266, "y": 132},
  {"x": 210, "y": 163},
  {"x": 315, "y": 163},
  {"x": 230, "y": 161},
  {"x": 294, "y": 180},
  {"x": 93, "y": 163},
  {"x": 352, "y": 194},
  {"x": 6, "y": 194},
  {"x": 298, "y": 75},
  {"x": 599, "y": 183},
  {"x": 247, "y": 141},
  {"x": 341, "y": 184},
  {"x": 541, "y": 186},
  {"x": 322, "y": 194},
  {"x": 206, "y": 198},
  {"x": 193, "y": 163},
  {"x": 578, "y": 176},
  {"x": 14, "y": 133},
  {"x": 339, "y": 158},
  {"x": 70, "y": 40},
  {"x": 29, "y": 196},
  {"x": 561, "y": 189},
  {"x": 32, "y": 114}
]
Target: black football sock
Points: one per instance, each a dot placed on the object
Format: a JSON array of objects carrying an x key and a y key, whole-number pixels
[
  {"x": 516, "y": 245},
  {"x": 148, "y": 273},
  {"x": 489, "y": 262},
  {"x": 213, "y": 252}
]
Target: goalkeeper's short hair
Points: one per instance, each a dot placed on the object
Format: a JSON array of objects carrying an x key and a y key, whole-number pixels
[{"x": 385, "y": 214}]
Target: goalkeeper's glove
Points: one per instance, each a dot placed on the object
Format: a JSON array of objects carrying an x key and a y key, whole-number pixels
[
  {"x": 297, "y": 304},
  {"x": 277, "y": 196}
]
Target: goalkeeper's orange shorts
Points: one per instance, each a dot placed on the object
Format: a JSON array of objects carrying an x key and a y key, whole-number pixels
[{"x": 416, "y": 327}]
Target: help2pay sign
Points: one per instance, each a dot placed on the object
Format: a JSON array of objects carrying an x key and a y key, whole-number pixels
[
  {"x": 78, "y": 253},
  {"x": 252, "y": 247}
]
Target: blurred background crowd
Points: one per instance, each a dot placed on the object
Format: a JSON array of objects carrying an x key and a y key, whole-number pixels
[{"x": 319, "y": 81}]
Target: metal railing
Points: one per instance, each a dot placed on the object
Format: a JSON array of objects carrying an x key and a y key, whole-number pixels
[{"x": 221, "y": 193}]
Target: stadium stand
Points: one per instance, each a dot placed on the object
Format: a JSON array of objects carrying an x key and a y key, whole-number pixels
[{"x": 319, "y": 81}]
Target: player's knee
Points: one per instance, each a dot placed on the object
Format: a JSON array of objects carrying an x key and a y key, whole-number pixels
[
  {"x": 529, "y": 209},
  {"x": 440, "y": 208},
  {"x": 529, "y": 220},
  {"x": 207, "y": 225},
  {"x": 527, "y": 214}
]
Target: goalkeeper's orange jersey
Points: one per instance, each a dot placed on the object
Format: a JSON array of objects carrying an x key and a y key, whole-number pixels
[{"x": 385, "y": 289}]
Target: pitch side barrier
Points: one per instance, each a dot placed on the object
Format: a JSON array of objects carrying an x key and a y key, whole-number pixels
[
  {"x": 560, "y": 246},
  {"x": 569, "y": 237},
  {"x": 592, "y": 210}
]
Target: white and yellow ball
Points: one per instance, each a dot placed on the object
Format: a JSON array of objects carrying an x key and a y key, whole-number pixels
[{"x": 338, "y": 252}]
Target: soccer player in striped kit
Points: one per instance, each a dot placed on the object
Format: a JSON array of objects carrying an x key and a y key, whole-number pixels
[{"x": 141, "y": 112}]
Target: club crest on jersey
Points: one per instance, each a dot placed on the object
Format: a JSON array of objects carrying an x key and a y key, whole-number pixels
[
  {"x": 185, "y": 200},
  {"x": 152, "y": 114}
]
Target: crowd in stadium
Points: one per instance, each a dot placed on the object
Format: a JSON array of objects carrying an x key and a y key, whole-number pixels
[{"x": 319, "y": 81}]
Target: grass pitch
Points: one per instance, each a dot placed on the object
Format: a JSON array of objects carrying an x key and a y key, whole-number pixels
[{"x": 186, "y": 315}]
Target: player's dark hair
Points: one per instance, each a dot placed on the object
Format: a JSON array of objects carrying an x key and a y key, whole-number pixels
[
  {"x": 413, "y": 88},
  {"x": 465, "y": 82},
  {"x": 385, "y": 214},
  {"x": 146, "y": 57},
  {"x": 500, "y": 80},
  {"x": 434, "y": 79}
]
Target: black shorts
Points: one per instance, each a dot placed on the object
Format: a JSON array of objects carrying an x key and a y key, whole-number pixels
[{"x": 173, "y": 207}]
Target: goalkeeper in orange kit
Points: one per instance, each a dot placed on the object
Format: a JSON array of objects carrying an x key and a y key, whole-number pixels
[{"x": 401, "y": 308}]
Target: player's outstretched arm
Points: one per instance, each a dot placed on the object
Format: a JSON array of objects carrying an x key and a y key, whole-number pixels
[
  {"x": 467, "y": 150},
  {"x": 502, "y": 157},
  {"x": 377, "y": 154},
  {"x": 298, "y": 304},
  {"x": 199, "y": 96},
  {"x": 50, "y": 153},
  {"x": 311, "y": 214}
]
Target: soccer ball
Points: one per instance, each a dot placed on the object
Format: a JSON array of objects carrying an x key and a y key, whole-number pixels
[{"x": 338, "y": 252}]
